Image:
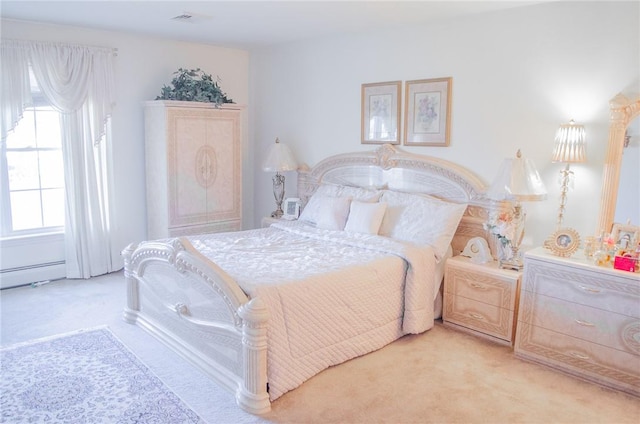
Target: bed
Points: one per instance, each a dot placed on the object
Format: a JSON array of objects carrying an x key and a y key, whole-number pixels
[{"x": 263, "y": 310}]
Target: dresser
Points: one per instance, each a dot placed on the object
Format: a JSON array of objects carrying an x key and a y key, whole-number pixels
[
  {"x": 481, "y": 299},
  {"x": 581, "y": 319},
  {"x": 193, "y": 168}
]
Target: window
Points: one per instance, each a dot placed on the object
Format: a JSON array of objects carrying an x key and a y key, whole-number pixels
[{"x": 32, "y": 173}]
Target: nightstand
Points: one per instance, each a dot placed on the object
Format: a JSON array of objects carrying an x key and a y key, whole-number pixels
[
  {"x": 481, "y": 299},
  {"x": 268, "y": 220}
]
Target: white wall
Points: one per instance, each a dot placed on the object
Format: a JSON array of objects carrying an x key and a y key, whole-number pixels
[
  {"x": 142, "y": 67},
  {"x": 517, "y": 75}
]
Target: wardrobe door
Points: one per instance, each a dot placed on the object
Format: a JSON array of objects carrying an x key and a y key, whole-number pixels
[{"x": 204, "y": 170}]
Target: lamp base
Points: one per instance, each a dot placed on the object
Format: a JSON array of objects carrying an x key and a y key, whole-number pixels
[{"x": 278, "y": 194}]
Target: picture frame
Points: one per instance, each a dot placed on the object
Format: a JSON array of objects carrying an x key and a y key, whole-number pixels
[
  {"x": 563, "y": 242},
  {"x": 380, "y": 114},
  {"x": 291, "y": 208},
  {"x": 620, "y": 232},
  {"x": 427, "y": 112}
]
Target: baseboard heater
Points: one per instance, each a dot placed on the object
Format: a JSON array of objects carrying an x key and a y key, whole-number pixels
[{"x": 31, "y": 274}]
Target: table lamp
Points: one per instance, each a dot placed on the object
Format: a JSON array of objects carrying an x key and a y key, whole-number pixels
[
  {"x": 279, "y": 159},
  {"x": 517, "y": 181},
  {"x": 570, "y": 148}
]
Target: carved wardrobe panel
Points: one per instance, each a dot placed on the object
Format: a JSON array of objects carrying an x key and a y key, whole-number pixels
[{"x": 193, "y": 168}]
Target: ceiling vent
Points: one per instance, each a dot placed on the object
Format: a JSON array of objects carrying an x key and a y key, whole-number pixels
[
  {"x": 190, "y": 17},
  {"x": 182, "y": 18}
]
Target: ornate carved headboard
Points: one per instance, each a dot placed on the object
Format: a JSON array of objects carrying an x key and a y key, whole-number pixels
[{"x": 391, "y": 168}]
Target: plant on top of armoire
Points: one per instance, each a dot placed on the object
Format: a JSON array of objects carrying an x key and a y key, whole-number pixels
[{"x": 194, "y": 85}]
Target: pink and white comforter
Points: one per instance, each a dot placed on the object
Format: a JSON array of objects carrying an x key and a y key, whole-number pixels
[{"x": 331, "y": 295}]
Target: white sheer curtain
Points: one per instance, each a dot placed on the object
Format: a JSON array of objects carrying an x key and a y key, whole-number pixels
[{"x": 78, "y": 81}]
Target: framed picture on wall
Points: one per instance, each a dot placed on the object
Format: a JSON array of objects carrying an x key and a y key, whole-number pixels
[
  {"x": 381, "y": 112},
  {"x": 427, "y": 112}
]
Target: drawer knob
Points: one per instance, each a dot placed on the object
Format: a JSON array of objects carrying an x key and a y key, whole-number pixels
[
  {"x": 585, "y": 323},
  {"x": 476, "y": 316},
  {"x": 579, "y": 356},
  {"x": 478, "y": 286}
]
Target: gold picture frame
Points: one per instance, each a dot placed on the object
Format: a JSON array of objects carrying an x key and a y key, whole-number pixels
[
  {"x": 427, "y": 112},
  {"x": 621, "y": 231},
  {"x": 381, "y": 112},
  {"x": 563, "y": 242}
]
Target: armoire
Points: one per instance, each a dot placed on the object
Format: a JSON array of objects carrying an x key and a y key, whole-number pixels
[{"x": 193, "y": 168}]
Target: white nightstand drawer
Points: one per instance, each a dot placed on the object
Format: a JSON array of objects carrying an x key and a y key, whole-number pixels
[
  {"x": 486, "y": 288},
  {"x": 488, "y": 319}
]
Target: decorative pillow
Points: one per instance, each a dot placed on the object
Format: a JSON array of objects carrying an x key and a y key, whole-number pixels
[
  {"x": 421, "y": 219},
  {"x": 310, "y": 212},
  {"x": 365, "y": 217},
  {"x": 333, "y": 213},
  {"x": 362, "y": 194}
]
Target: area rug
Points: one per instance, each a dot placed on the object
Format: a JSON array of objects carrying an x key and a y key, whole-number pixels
[{"x": 85, "y": 377}]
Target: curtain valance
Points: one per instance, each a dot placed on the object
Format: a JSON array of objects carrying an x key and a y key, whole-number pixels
[{"x": 69, "y": 75}]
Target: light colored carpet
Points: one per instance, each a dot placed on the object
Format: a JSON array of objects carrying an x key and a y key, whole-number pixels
[
  {"x": 441, "y": 376},
  {"x": 87, "y": 376}
]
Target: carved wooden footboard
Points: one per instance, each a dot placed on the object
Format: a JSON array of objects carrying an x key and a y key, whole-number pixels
[{"x": 194, "y": 307}]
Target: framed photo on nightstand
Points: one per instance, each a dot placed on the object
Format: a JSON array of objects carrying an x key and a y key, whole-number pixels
[{"x": 291, "y": 208}]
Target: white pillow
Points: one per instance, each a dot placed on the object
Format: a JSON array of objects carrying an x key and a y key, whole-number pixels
[
  {"x": 333, "y": 213},
  {"x": 421, "y": 219},
  {"x": 365, "y": 217},
  {"x": 310, "y": 212},
  {"x": 359, "y": 193}
]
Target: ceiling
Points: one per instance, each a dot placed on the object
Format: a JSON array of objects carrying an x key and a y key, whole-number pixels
[{"x": 245, "y": 24}]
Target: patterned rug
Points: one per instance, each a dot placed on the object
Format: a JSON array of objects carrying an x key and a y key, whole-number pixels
[{"x": 83, "y": 377}]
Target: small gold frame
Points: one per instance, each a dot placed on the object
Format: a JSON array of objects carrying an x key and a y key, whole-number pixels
[
  {"x": 563, "y": 242},
  {"x": 620, "y": 231}
]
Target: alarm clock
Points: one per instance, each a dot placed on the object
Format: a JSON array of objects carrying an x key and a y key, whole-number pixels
[{"x": 478, "y": 250}]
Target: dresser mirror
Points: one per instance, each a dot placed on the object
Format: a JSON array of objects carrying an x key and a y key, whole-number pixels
[{"x": 624, "y": 122}]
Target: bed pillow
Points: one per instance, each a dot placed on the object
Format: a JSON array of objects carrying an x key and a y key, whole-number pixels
[
  {"x": 310, "y": 213},
  {"x": 360, "y": 193},
  {"x": 421, "y": 219},
  {"x": 365, "y": 217},
  {"x": 333, "y": 213}
]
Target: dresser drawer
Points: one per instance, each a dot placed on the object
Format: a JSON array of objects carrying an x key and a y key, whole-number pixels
[
  {"x": 475, "y": 315},
  {"x": 617, "y": 331},
  {"x": 611, "y": 367},
  {"x": 609, "y": 292},
  {"x": 490, "y": 289}
]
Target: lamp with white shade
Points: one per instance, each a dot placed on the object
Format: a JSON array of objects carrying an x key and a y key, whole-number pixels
[
  {"x": 517, "y": 181},
  {"x": 570, "y": 148},
  {"x": 279, "y": 159}
]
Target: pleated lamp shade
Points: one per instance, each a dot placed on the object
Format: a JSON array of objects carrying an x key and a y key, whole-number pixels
[{"x": 571, "y": 146}]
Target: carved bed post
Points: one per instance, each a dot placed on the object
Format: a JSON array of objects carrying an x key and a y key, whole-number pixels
[
  {"x": 253, "y": 396},
  {"x": 133, "y": 295}
]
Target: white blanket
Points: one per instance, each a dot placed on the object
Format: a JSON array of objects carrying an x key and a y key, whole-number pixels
[{"x": 331, "y": 295}]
